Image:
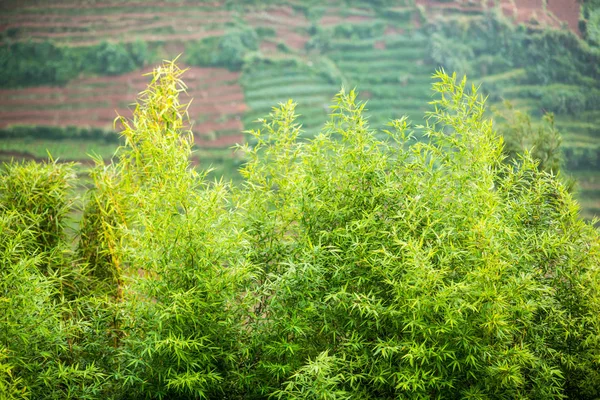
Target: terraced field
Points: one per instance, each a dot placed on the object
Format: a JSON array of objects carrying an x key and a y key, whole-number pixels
[
  {"x": 310, "y": 49},
  {"x": 217, "y": 104},
  {"x": 89, "y": 23},
  {"x": 589, "y": 191}
]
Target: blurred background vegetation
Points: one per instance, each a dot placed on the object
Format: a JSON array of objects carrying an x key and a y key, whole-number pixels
[{"x": 69, "y": 67}]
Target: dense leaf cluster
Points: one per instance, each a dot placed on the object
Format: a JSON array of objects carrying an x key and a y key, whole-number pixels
[
  {"x": 58, "y": 133},
  {"x": 362, "y": 31},
  {"x": 520, "y": 135},
  {"x": 344, "y": 267},
  {"x": 45, "y": 63},
  {"x": 490, "y": 45},
  {"x": 589, "y": 21},
  {"x": 226, "y": 51}
]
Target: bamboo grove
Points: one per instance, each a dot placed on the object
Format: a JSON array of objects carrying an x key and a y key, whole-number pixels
[{"x": 355, "y": 265}]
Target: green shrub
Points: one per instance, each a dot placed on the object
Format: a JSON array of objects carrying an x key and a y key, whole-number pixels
[
  {"x": 564, "y": 101},
  {"x": 29, "y": 63},
  {"x": 58, "y": 133},
  {"x": 520, "y": 136},
  {"x": 450, "y": 54},
  {"x": 582, "y": 158},
  {"x": 359, "y": 31},
  {"x": 39, "y": 196},
  {"x": 386, "y": 271},
  {"x": 593, "y": 27},
  {"x": 226, "y": 51},
  {"x": 45, "y": 346},
  {"x": 319, "y": 41},
  {"x": 45, "y": 63},
  {"x": 560, "y": 56},
  {"x": 491, "y": 44},
  {"x": 589, "y": 21},
  {"x": 284, "y": 48},
  {"x": 178, "y": 316},
  {"x": 345, "y": 266},
  {"x": 265, "y": 31},
  {"x": 98, "y": 236},
  {"x": 139, "y": 53},
  {"x": 110, "y": 59}
]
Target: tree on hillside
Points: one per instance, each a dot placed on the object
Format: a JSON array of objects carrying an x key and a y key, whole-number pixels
[
  {"x": 520, "y": 136},
  {"x": 541, "y": 140}
]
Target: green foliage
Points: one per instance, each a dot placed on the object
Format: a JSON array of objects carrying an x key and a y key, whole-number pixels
[
  {"x": 30, "y": 336},
  {"x": 39, "y": 196},
  {"x": 560, "y": 56},
  {"x": 99, "y": 236},
  {"x": 265, "y": 31},
  {"x": 30, "y": 63},
  {"x": 419, "y": 267},
  {"x": 58, "y": 133},
  {"x": 450, "y": 53},
  {"x": 139, "y": 53},
  {"x": 550, "y": 56},
  {"x": 520, "y": 136},
  {"x": 468, "y": 44},
  {"x": 110, "y": 59},
  {"x": 359, "y": 31},
  {"x": 44, "y": 63},
  {"x": 589, "y": 21},
  {"x": 582, "y": 158},
  {"x": 564, "y": 101},
  {"x": 320, "y": 40},
  {"x": 44, "y": 343},
  {"x": 11, "y": 386},
  {"x": 226, "y": 51},
  {"x": 346, "y": 266},
  {"x": 284, "y": 48},
  {"x": 179, "y": 316}
]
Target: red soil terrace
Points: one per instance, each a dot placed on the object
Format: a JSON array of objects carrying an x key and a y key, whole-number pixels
[
  {"x": 531, "y": 12},
  {"x": 216, "y": 109},
  {"x": 218, "y": 103}
]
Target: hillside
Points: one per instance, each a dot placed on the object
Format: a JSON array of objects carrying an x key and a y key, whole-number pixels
[{"x": 246, "y": 56}]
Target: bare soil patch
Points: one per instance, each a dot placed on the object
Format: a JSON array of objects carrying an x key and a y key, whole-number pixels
[{"x": 566, "y": 11}]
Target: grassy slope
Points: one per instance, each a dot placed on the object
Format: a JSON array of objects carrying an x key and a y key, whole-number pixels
[{"x": 388, "y": 68}]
